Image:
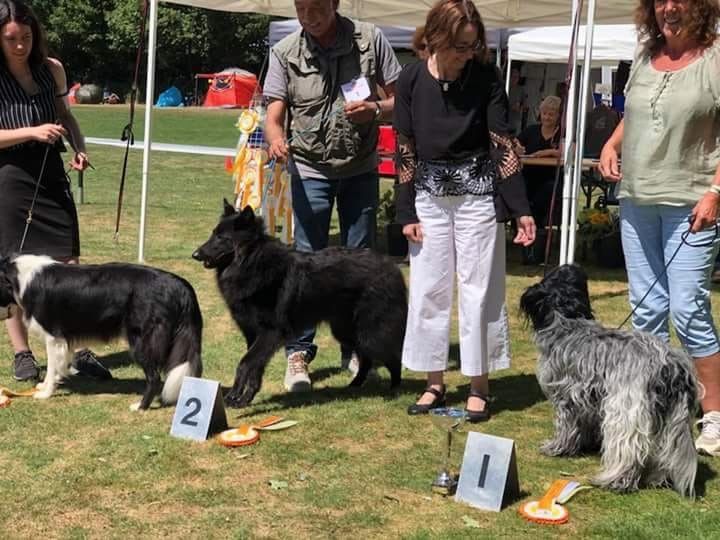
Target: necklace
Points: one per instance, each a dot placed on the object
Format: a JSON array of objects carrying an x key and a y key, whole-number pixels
[{"x": 445, "y": 84}]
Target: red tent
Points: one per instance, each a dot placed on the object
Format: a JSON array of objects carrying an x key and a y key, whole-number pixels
[{"x": 229, "y": 88}]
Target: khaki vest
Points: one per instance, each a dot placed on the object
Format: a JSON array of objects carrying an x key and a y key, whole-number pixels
[{"x": 322, "y": 136}]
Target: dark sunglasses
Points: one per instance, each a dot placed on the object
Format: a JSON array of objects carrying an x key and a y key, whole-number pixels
[{"x": 466, "y": 48}]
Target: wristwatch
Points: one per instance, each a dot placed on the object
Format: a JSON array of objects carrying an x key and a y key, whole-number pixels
[{"x": 378, "y": 110}]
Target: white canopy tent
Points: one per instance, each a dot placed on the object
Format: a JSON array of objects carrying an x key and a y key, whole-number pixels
[
  {"x": 400, "y": 37},
  {"x": 611, "y": 43},
  {"x": 496, "y": 14}
]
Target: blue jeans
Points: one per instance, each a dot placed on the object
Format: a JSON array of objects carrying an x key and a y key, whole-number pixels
[
  {"x": 312, "y": 201},
  {"x": 650, "y": 236}
]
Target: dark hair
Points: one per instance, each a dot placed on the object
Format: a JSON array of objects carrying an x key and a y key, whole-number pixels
[
  {"x": 704, "y": 17},
  {"x": 446, "y": 19},
  {"x": 418, "y": 40},
  {"x": 19, "y": 12}
]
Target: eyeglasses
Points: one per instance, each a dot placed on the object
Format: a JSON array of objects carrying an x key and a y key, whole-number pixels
[{"x": 460, "y": 49}]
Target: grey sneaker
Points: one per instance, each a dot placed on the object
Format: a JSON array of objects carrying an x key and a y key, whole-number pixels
[
  {"x": 708, "y": 443},
  {"x": 297, "y": 378},
  {"x": 26, "y": 367}
]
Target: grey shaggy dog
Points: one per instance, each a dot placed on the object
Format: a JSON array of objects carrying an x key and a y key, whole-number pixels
[{"x": 625, "y": 392}]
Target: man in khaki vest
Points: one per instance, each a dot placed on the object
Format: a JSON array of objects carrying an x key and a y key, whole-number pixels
[{"x": 322, "y": 86}]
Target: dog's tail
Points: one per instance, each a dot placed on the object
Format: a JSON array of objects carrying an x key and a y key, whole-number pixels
[{"x": 185, "y": 353}]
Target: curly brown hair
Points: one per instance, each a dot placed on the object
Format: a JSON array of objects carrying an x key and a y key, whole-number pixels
[
  {"x": 704, "y": 18},
  {"x": 446, "y": 19}
]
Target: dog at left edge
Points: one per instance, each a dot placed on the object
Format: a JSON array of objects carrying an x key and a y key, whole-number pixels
[{"x": 68, "y": 305}]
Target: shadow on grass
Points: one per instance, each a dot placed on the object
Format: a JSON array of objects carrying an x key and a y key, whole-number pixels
[
  {"x": 88, "y": 385},
  {"x": 512, "y": 393},
  {"x": 704, "y": 475}
]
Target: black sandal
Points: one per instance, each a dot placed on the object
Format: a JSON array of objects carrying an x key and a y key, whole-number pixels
[
  {"x": 478, "y": 416},
  {"x": 439, "y": 401}
]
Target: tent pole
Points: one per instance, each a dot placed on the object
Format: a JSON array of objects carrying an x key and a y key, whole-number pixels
[
  {"x": 582, "y": 120},
  {"x": 569, "y": 139},
  {"x": 507, "y": 76},
  {"x": 147, "y": 138}
]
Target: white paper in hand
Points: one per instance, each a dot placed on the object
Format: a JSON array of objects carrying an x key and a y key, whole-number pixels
[{"x": 356, "y": 90}]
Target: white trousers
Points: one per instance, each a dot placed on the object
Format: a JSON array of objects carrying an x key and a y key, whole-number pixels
[{"x": 460, "y": 236}]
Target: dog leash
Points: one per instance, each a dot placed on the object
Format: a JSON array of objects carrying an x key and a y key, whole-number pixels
[
  {"x": 29, "y": 218},
  {"x": 683, "y": 240},
  {"x": 128, "y": 135}
]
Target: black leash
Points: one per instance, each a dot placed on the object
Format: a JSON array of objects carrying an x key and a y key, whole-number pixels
[
  {"x": 683, "y": 240},
  {"x": 29, "y": 218},
  {"x": 127, "y": 134}
]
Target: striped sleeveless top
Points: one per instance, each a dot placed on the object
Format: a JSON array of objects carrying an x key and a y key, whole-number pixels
[{"x": 18, "y": 109}]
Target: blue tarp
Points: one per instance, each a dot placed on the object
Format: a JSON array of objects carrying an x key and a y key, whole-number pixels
[{"x": 170, "y": 98}]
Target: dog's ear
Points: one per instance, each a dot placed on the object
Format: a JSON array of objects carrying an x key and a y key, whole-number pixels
[
  {"x": 246, "y": 217},
  {"x": 228, "y": 209}
]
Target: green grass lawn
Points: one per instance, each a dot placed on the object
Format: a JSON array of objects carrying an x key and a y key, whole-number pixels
[{"x": 82, "y": 465}]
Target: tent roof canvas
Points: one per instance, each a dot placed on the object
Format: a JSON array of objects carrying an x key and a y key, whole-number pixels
[
  {"x": 400, "y": 37},
  {"x": 495, "y": 13},
  {"x": 611, "y": 43}
]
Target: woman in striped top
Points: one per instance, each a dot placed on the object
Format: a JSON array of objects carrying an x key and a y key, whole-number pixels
[{"x": 34, "y": 116}]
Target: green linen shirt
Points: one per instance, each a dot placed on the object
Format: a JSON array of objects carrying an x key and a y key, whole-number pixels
[{"x": 671, "y": 139}]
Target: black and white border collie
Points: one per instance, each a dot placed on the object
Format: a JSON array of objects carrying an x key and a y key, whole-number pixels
[{"x": 71, "y": 304}]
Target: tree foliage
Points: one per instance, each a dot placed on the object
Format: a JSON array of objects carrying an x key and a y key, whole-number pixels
[{"x": 97, "y": 40}]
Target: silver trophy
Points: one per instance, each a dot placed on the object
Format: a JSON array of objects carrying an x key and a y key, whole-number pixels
[{"x": 449, "y": 421}]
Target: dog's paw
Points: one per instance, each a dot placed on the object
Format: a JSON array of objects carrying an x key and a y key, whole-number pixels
[
  {"x": 40, "y": 386},
  {"x": 136, "y": 406},
  {"x": 553, "y": 449},
  {"x": 43, "y": 394}
]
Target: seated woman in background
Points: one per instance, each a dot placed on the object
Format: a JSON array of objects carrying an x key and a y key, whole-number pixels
[{"x": 541, "y": 140}]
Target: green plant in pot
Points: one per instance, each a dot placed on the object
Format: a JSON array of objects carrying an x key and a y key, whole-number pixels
[
  {"x": 599, "y": 231},
  {"x": 396, "y": 242}
]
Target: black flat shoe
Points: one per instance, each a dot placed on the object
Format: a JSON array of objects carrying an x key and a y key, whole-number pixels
[
  {"x": 478, "y": 416},
  {"x": 439, "y": 401}
]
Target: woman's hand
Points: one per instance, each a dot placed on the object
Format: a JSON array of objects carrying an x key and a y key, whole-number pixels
[
  {"x": 79, "y": 162},
  {"x": 525, "y": 231},
  {"x": 413, "y": 232},
  {"x": 609, "y": 167},
  {"x": 705, "y": 213},
  {"x": 48, "y": 133}
]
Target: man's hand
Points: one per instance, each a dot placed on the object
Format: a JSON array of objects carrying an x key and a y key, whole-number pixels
[
  {"x": 360, "y": 112},
  {"x": 278, "y": 149}
]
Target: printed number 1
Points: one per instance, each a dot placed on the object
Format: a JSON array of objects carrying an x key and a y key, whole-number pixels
[
  {"x": 187, "y": 418},
  {"x": 483, "y": 471}
]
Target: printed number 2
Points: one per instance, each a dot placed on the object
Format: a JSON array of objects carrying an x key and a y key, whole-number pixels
[
  {"x": 483, "y": 471},
  {"x": 187, "y": 418}
]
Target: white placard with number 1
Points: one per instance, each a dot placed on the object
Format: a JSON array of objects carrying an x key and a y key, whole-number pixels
[{"x": 200, "y": 411}]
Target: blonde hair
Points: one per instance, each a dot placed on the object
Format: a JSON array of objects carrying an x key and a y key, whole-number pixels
[{"x": 551, "y": 102}]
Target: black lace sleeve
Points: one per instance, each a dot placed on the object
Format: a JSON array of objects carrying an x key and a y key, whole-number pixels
[{"x": 405, "y": 163}]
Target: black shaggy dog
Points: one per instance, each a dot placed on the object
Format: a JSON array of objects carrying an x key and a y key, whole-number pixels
[
  {"x": 67, "y": 305},
  {"x": 273, "y": 292}
]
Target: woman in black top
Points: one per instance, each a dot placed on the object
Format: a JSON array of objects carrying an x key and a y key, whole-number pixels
[
  {"x": 542, "y": 140},
  {"x": 452, "y": 203},
  {"x": 33, "y": 119}
]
